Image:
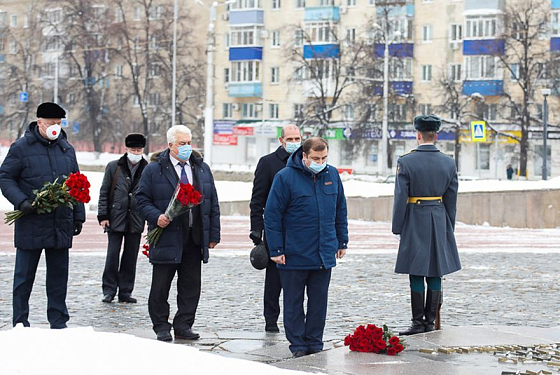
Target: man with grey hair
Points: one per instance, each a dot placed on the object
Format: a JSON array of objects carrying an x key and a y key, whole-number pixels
[
  {"x": 185, "y": 241},
  {"x": 268, "y": 166}
]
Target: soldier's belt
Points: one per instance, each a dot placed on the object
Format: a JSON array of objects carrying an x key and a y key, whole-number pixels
[{"x": 415, "y": 200}]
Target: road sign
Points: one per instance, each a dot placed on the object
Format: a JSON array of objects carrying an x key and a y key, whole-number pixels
[
  {"x": 478, "y": 131},
  {"x": 64, "y": 122},
  {"x": 23, "y": 97},
  {"x": 76, "y": 127}
]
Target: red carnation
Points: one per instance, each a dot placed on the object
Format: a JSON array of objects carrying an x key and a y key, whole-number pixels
[
  {"x": 391, "y": 351},
  {"x": 394, "y": 340}
]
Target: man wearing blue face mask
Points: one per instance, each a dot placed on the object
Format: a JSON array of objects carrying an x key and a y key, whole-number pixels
[
  {"x": 268, "y": 166},
  {"x": 307, "y": 230},
  {"x": 185, "y": 241},
  {"x": 119, "y": 217}
]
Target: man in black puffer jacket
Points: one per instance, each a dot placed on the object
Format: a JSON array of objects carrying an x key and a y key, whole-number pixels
[
  {"x": 42, "y": 155},
  {"x": 119, "y": 217}
]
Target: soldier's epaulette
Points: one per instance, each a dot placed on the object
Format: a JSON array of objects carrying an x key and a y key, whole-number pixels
[{"x": 408, "y": 153}]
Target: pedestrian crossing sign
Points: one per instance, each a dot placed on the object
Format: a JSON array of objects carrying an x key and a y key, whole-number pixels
[{"x": 478, "y": 131}]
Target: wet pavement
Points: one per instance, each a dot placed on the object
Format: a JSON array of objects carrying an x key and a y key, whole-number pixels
[{"x": 509, "y": 278}]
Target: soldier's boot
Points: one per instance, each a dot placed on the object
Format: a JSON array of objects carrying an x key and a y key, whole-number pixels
[
  {"x": 417, "y": 303},
  {"x": 433, "y": 298}
]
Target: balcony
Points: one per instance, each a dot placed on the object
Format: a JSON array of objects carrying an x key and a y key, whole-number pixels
[
  {"x": 395, "y": 50},
  {"x": 246, "y": 17},
  {"x": 245, "y": 53},
  {"x": 555, "y": 4},
  {"x": 321, "y": 51},
  {"x": 484, "y": 6},
  {"x": 245, "y": 89},
  {"x": 486, "y": 88},
  {"x": 554, "y": 44},
  {"x": 319, "y": 88},
  {"x": 329, "y": 13},
  {"x": 492, "y": 47},
  {"x": 397, "y": 87}
]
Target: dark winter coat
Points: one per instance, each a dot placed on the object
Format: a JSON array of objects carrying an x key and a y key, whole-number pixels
[
  {"x": 267, "y": 168},
  {"x": 305, "y": 216},
  {"x": 427, "y": 246},
  {"x": 121, "y": 209},
  {"x": 31, "y": 161},
  {"x": 157, "y": 186}
]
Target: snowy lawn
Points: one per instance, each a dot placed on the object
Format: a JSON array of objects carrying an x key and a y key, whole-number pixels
[{"x": 72, "y": 351}]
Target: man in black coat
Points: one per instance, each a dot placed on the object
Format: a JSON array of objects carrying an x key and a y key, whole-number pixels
[
  {"x": 42, "y": 155},
  {"x": 268, "y": 166},
  {"x": 119, "y": 217},
  {"x": 185, "y": 241}
]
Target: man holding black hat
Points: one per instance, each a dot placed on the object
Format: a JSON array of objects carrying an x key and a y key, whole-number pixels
[
  {"x": 42, "y": 155},
  {"x": 424, "y": 208},
  {"x": 119, "y": 217}
]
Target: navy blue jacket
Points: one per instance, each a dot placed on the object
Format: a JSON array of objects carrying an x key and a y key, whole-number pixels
[
  {"x": 157, "y": 186},
  {"x": 32, "y": 161},
  {"x": 305, "y": 216}
]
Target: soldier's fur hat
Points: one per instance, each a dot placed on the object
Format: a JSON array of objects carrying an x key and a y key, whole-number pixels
[{"x": 427, "y": 123}]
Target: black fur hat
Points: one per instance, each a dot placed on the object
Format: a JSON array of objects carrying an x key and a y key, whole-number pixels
[
  {"x": 427, "y": 123},
  {"x": 135, "y": 140},
  {"x": 50, "y": 110}
]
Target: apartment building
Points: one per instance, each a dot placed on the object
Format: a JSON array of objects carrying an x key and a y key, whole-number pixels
[{"x": 455, "y": 58}]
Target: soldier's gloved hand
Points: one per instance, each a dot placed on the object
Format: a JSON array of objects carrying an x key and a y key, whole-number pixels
[
  {"x": 256, "y": 236},
  {"x": 27, "y": 208},
  {"x": 77, "y": 227}
]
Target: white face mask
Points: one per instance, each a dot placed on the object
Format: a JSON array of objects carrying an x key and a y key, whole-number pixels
[
  {"x": 53, "y": 132},
  {"x": 134, "y": 158}
]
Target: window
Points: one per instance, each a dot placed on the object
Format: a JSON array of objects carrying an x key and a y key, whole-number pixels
[
  {"x": 154, "y": 12},
  {"x": 455, "y": 33},
  {"x": 25, "y": 21},
  {"x": 427, "y": 34},
  {"x": 555, "y": 23},
  {"x": 299, "y": 74},
  {"x": 349, "y": 112},
  {"x": 119, "y": 15},
  {"x": 118, "y": 71},
  {"x": 273, "y": 111},
  {"x": 226, "y": 75},
  {"x": 323, "y": 3},
  {"x": 136, "y": 42},
  {"x": 298, "y": 111},
  {"x": 481, "y": 27},
  {"x": 351, "y": 35},
  {"x": 397, "y": 112},
  {"x": 490, "y": 112},
  {"x": 276, "y": 4},
  {"x": 137, "y": 13},
  {"x": 320, "y": 69},
  {"x": 248, "y": 110},
  {"x": 398, "y": 68},
  {"x": 481, "y": 67},
  {"x": 320, "y": 32},
  {"x": 155, "y": 70},
  {"x": 275, "y": 75},
  {"x": 227, "y": 41},
  {"x": 119, "y": 99},
  {"x": 245, "y": 36},
  {"x": 153, "y": 42},
  {"x": 13, "y": 47},
  {"x": 370, "y": 112},
  {"x": 3, "y": 19},
  {"x": 154, "y": 99},
  {"x": 426, "y": 73},
  {"x": 70, "y": 98},
  {"x": 13, "y": 20},
  {"x": 425, "y": 109},
  {"x": 227, "y": 109},
  {"x": 298, "y": 37},
  {"x": 300, "y": 3},
  {"x": 351, "y": 3},
  {"x": 371, "y": 154},
  {"x": 275, "y": 39},
  {"x": 484, "y": 157},
  {"x": 245, "y": 71},
  {"x": 54, "y": 16},
  {"x": 370, "y": 2},
  {"x": 455, "y": 72},
  {"x": 135, "y": 101},
  {"x": 246, "y": 4},
  {"x": 399, "y": 28}
]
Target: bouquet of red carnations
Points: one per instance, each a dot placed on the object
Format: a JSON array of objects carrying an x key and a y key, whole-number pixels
[
  {"x": 373, "y": 339},
  {"x": 146, "y": 250},
  {"x": 184, "y": 199},
  {"x": 70, "y": 192}
]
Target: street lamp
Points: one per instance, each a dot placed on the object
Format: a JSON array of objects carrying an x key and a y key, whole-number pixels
[
  {"x": 383, "y": 154},
  {"x": 545, "y": 93},
  {"x": 174, "y": 85}
]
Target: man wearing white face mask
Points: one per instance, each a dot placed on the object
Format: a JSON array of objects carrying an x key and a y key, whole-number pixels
[
  {"x": 42, "y": 155},
  {"x": 119, "y": 217}
]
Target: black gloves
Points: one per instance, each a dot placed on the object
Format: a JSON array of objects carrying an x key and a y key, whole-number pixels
[
  {"x": 77, "y": 227},
  {"x": 256, "y": 236},
  {"x": 27, "y": 208}
]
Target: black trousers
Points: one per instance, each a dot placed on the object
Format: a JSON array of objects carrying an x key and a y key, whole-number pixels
[
  {"x": 121, "y": 277},
  {"x": 188, "y": 290},
  {"x": 57, "y": 284},
  {"x": 272, "y": 289}
]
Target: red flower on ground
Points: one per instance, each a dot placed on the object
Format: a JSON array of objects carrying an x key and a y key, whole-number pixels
[
  {"x": 391, "y": 351},
  {"x": 394, "y": 340},
  {"x": 399, "y": 348}
]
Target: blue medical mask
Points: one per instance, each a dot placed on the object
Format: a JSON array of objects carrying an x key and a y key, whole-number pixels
[
  {"x": 292, "y": 147},
  {"x": 316, "y": 167},
  {"x": 134, "y": 158},
  {"x": 184, "y": 152}
]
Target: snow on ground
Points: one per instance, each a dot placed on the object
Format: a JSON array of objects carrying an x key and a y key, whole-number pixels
[{"x": 71, "y": 351}]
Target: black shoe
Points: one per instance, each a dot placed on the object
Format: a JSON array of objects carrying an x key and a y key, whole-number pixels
[
  {"x": 186, "y": 334},
  {"x": 107, "y": 298},
  {"x": 271, "y": 327},
  {"x": 164, "y": 336},
  {"x": 127, "y": 299},
  {"x": 433, "y": 299},
  {"x": 314, "y": 351},
  {"x": 417, "y": 303},
  {"x": 299, "y": 353}
]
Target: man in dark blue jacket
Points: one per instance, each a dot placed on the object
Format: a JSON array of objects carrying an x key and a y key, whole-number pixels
[
  {"x": 268, "y": 166},
  {"x": 307, "y": 229},
  {"x": 185, "y": 241},
  {"x": 42, "y": 155},
  {"x": 424, "y": 210}
]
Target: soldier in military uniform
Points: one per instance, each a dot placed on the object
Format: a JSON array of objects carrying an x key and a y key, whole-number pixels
[{"x": 424, "y": 208}]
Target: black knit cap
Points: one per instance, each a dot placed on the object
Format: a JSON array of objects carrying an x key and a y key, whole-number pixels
[
  {"x": 427, "y": 123},
  {"x": 50, "y": 110},
  {"x": 135, "y": 140}
]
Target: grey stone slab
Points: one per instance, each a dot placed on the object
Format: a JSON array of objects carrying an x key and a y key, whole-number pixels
[
  {"x": 244, "y": 346},
  {"x": 248, "y": 335},
  {"x": 550, "y": 334},
  {"x": 276, "y": 351},
  {"x": 248, "y": 357}
]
